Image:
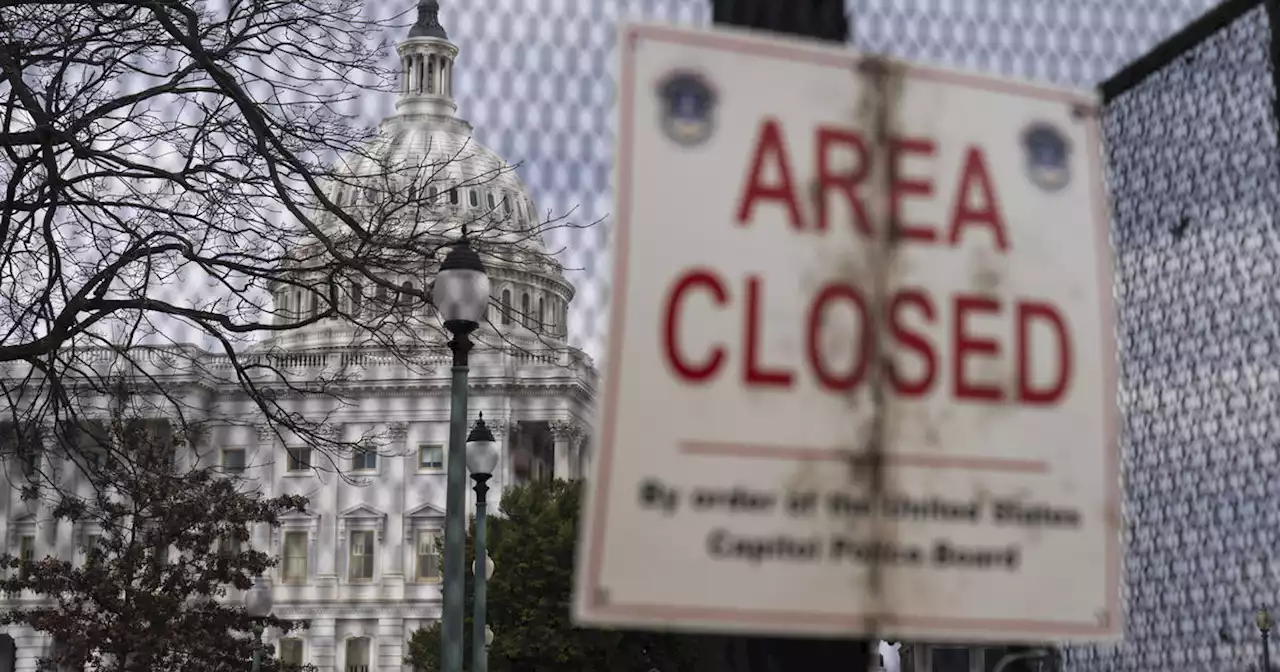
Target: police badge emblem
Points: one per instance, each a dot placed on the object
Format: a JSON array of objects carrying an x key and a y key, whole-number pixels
[
  {"x": 688, "y": 107},
  {"x": 1047, "y": 156}
]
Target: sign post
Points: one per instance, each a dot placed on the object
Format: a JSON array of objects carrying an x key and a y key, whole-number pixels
[{"x": 861, "y": 373}]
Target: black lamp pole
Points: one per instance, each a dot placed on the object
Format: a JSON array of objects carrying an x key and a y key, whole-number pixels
[
  {"x": 822, "y": 20},
  {"x": 1263, "y": 621}
]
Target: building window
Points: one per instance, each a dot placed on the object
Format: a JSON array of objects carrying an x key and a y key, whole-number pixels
[
  {"x": 506, "y": 207},
  {"x": 26, "y": 552},
  {"x": 382, "y": 296},
  {"x": 91, "y": 542},
  {"x": 30, "y": 459},
  {"x": 431, "y": 75},
  {"x": 315, "y": 306},
  {"x": 453, "y": 196},
  {"x": 295, "y": 557},
  {"x": 431, "y": 457},
  {"x": 291, "y": 652},
  {"x": 428, "y": 556},
  {"x": 233, "y": 460},
  {"x": 491, "y": 201},
  {"x": 357, "y": 654},
  {"x": 506, "y": 306},
  {"x": 526, "y": 316},
  {"x": 360, "y": 559},
  {"x": 432, "y": 192},
  {"x": 542, "y": 313},
  {"x": 357, "y": 295},
  {"x": 299, "y": 458},
  {"x": 230, "y": 546},
  {"x": 364, "y": 460},
  {"x": 475, "y": 198}
]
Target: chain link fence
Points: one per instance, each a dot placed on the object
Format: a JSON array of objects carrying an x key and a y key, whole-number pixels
[
  {"x": 1191, "y": 141},
  {"x": 1192, "y": 150},
  {"x": 535, "y": 78}
]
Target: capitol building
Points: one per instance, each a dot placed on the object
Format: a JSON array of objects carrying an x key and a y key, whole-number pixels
[{"x": 362, "y": 564}]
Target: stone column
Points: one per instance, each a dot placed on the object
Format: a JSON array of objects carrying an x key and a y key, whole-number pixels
[
  {"x": 323, "y": 647},
  {"x": 511, "y": 441},
  {"x": 391, "y": 640},
  {"x": 393, "y": 569},
  {"x": 566, "y": 433}
]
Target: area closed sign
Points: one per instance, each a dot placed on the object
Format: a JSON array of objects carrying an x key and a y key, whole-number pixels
[{"x": 860, "y": 375}]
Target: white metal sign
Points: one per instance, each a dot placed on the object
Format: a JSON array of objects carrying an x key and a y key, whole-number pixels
[{"x": 861, "y": 373}]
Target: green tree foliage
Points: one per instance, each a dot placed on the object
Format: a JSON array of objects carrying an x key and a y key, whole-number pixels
[
  {"x": 532, "y": 546},
  {"x": 168, "y": 542}
]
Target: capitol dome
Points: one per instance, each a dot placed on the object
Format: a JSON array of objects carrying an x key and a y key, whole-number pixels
[{"x": 420, "y": 183}]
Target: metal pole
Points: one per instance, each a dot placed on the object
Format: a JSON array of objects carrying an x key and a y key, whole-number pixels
[
  {"x": 257, "y": 647},
  {"x": 821, "y": 20},
  {"x": 1266, "y": 651},
  {"x": 455, "y": 531},
  {"x": 480, "y": 650}
]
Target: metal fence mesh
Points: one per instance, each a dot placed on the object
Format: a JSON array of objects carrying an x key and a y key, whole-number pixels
[
  {"x": 1192, "y": 165},
  {"x": 535, "y": 77},
  {"x": 1192, "y": 153}
]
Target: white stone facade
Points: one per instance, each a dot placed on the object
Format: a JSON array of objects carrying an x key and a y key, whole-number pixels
[{"x": 536, "y": 410}]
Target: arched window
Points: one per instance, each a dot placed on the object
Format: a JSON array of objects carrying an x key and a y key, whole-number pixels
[
  {"x": 298, "y": 305},
  {"x": 506, "y": 207},
  {"x": 506, "y": 306},
  {"x": 453, "y": 196},
  {"x": 406, "y": 294},
  {"x": 431, "y": 74},
  {"x": 524, "y": 311},
  {"x": 475, "y": 198},
  {"x": 542, "y": 314},
  {"x": 432, "y": 192},
  {"x": 357, "y": 296},
  {"x": 491, "y": 202},
  {"x": 382, "y": 297},
  {"x": 290, "y": 653},
  {"x": 315, "y": 305},
  {"x": 357, "y": 658}
]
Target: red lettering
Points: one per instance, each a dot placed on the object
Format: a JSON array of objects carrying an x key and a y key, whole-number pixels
[
  {"x": 1040, "y": 348},
  {"x": 755, "y": 373},
  {"x": 1028, "y": 311},
  {"x": 967, "y": 344},
  {"x": 901, "y": 187},
  {"x": 987, "y": 213},
  {"x": 695, "y": 372},
  {"x": 770, "y": 146},
  {"x": 913, "y": 341},
  {"x": 846, "y": 183},
  {"x": 829, "y": 380}
]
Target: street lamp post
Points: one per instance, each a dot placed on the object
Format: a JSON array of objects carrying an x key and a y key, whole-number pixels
[
  {"x": 461, "y": 295},
  {"x": 1263, "y": 621},
  {"x": 257, "y": 603},
  {"x": 482, "y": 458}
]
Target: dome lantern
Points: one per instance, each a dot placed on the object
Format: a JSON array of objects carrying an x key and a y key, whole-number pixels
[{"x": 426, "y": 65}]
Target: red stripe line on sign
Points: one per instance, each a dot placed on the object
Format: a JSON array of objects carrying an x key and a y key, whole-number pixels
[{"x": 802, "y": 453}]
